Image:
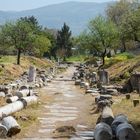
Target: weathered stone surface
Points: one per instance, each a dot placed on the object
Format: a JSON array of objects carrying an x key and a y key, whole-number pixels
[
  {"x": 64, "y": 131},
  {"x": 103, "y": 97},
  {"x": 93, "y": 78},
  {"x": 103, "y": 77},
  {"x": 12, "y": 99},
  {"x": 32, "y": 74},
  {"x": 119, "y": 119},
  {"x": 77, "y": 82},
  {"x": 107, "y": 115},
  {"x": 23, "y": 93},
  {"x": 103, "y": 132},
  {"x": 11, "y": 108},
  {"x": 2, "y": 94},
  {"x": 136, "y": 102},
  {"x": 125, "y": 131},
  {"x": 12, "y": 125},
  {"x": 135, "y": 80},
  {"x": 3, "y": 131},
  {"x": 133, "y": 83},
  {"x": 128, "y": 96},
  {"x": 4, "y": 88}
]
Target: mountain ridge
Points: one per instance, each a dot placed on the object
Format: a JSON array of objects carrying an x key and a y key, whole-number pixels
[{"x": 75, "y": 14}]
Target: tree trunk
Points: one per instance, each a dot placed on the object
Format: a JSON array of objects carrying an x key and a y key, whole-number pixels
[
  {"x": 18, "y": 56},
  {"x": 103, "y": 57},
  {"x": 123, "y": 45},
  {"x": 64, "y": 59},
  {"x": 136, "y": 38}
]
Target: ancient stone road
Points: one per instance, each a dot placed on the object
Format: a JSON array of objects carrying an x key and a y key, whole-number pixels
[{"x": 70, "y": 108}]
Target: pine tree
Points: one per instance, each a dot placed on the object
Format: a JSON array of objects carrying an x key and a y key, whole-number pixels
[{"x": 64, "y": 42}]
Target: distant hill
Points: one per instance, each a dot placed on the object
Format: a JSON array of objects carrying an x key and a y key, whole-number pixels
[{"x": 75, "y": 14}]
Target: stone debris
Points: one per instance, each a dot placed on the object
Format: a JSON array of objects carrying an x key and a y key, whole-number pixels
[
  {"x": 64, "y": 131},
  {"x": 20, "y": 94},
  {"x": 108, "y": 127}
]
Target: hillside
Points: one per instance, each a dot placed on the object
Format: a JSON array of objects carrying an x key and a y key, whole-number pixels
[
  {"x": 75, "y": 14},
  {"x": 10, "y": 71},
  {"x": 122, "y": 66}
]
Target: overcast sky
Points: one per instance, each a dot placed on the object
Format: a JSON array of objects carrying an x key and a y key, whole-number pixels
[{"x": 18, "y": 5}]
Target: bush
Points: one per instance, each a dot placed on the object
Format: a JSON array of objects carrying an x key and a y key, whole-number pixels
[
  {"x": 124, "y": 56},
  {"x": 118, "y": 58},
  {"x": 76, "y": 58},
  {"x": 126, "y": 75}
]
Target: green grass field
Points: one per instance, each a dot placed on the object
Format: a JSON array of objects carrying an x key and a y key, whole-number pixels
[{"x": 78, "y": 58}]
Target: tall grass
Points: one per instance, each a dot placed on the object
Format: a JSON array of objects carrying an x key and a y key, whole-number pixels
[
  {"x": 78, "y": 58},
  {"x": 118, "y": 58}
]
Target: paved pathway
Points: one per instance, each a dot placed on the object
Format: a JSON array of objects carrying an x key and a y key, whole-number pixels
[{"x": 70, "y": 108}]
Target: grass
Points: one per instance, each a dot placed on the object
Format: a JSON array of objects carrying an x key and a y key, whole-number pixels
[
  {"x": 10, "y": 71},
  {"x": 126, "y": 107},
  {"x": 32, "y": 113},
  {"x": 118, "y": 58},
  {"x": 31, "y": 117},
  {"x": 122, "y": 66},
  {"x": 7, "y": 59},
  {"x": 78, "y": 58},
  {"x": 27, "y": 119}
]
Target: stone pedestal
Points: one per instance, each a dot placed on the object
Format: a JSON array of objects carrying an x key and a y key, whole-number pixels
[
  {"x": 32, "y": 74},
  {"x": 103, "y": 77}
]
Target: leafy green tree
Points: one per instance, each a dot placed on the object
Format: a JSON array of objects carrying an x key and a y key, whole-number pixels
[
  {"x": 115, "y": 13},
  {"x": 130, "y": 25},
  {"x": 20, "y": 34},
  {"x": 41, "y": 45},
  {"x": 104, "y": 34},
  {"x": 33, "y": 23},
  {"x": 84, "y": 43},
  {"x": 64, "y": 42},
  {"x": 17, "y": 35},
  {"x": 122, "y": 14},
  {"x": 4, "y": 48},
  {"x": 51, "y": 34}
]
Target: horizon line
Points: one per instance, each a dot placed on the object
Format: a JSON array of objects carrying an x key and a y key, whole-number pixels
[{"x": 54, "y": 4}]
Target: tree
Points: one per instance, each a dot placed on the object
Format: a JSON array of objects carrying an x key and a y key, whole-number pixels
[
  {"x": 130, "y": 25},
  {"x": 64, "y": 42},
  {"x": 120, "y": 13},
  {"x": 104, "y": 34},
  {"x": 34, "y": 25},
  {"x": 41, "y": 45},
  {"x": 85, "y": 42},
  {"x": 115, "y": 13},
  {"x": 51, "y": 34},
  {"x": 20, "y": 34}
]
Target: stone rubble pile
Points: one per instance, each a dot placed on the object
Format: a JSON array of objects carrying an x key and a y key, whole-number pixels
[
  {"x": 18, "y": 95},
  {"x": 97, "y": 84}
]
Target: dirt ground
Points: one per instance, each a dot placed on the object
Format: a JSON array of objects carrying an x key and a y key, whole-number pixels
[{"x": 61, "y": 104}]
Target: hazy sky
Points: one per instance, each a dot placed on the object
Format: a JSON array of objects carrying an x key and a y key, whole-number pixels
[{"x": 18, "y": 5}]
